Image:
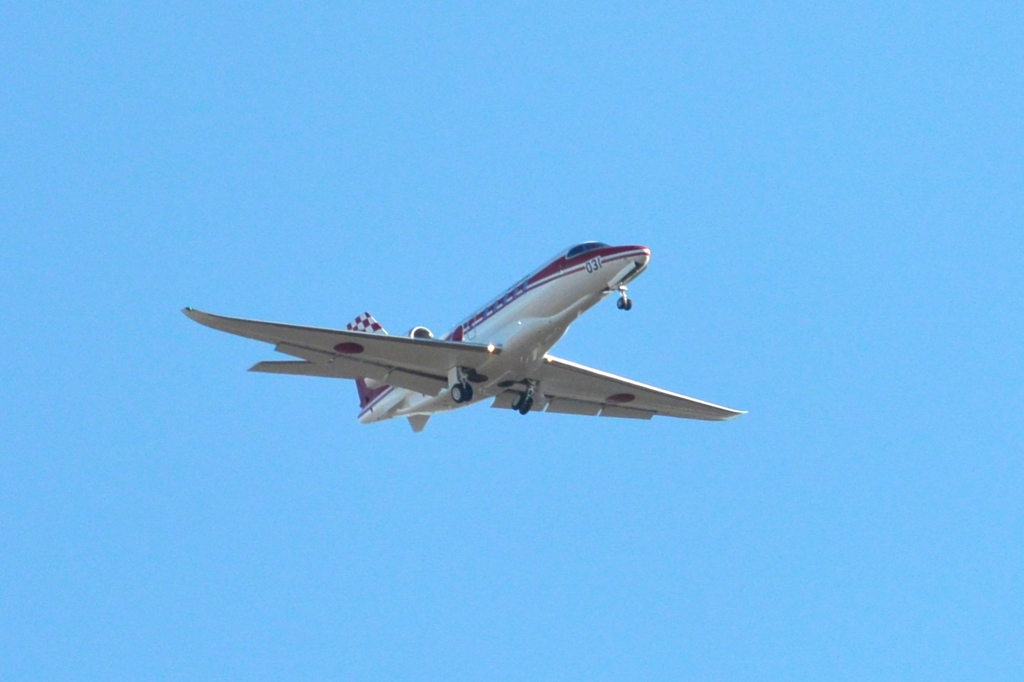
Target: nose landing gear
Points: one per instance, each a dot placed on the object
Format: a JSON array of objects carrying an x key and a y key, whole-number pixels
[{"x": 624, "y": 302}]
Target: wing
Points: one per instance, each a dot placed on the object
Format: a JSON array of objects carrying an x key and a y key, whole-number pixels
[
  {"x": 420, "y": 365},
  {"x": 576, "y": 389}
]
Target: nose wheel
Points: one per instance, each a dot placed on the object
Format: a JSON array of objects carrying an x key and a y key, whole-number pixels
[{"x": 624, "y": 302}]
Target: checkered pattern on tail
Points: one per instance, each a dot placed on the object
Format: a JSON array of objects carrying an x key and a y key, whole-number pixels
[{"x": 365, "y": 323}]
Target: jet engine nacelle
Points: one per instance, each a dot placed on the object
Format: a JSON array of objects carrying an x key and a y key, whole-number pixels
[{"x": 420, "y": 333}]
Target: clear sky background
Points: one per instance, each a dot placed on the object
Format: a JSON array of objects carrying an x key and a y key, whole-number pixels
[{"x": 833, "y": 194}]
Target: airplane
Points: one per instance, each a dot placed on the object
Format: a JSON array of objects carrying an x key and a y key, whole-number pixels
[{"x": 499, "y": 352}]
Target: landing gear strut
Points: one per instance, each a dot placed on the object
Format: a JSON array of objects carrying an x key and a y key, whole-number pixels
[
  {"x": 524, "y": 401},
  {"x": 624, "y": 303}
]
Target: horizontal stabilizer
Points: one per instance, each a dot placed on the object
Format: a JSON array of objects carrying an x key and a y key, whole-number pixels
[
  {"x": 343, "y": 370},
  {"x": 303, "y": 368}
]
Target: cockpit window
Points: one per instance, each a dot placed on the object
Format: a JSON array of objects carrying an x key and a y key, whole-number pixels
[{"x": 583, "y": 248}]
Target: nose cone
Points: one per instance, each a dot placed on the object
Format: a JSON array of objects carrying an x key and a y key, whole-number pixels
[{"x": 641, "y": 254}]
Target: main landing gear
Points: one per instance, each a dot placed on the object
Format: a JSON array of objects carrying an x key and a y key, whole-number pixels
[
  {"x": 524, "y": 401},
  {"x": 459, "y": 387},
  {"x": 624, "y": 303},
  {"x": 462, "y": 393}
]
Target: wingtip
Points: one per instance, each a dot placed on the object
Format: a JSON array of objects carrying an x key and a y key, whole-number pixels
[{"x": 198, "y": 316}]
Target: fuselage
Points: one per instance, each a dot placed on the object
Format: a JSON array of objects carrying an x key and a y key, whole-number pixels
[{"x": 525, "y": 322}]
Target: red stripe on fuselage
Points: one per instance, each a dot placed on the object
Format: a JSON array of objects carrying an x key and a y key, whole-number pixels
[
  {"x": 564, "y": 266},
  {"x": 577, "y": 266},
  {"x": 556, "y": 269}
]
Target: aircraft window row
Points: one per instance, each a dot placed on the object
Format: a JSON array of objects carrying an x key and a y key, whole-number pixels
[
  {"x": 510, "y": 296},
  {"x": 583, "y": 248}
]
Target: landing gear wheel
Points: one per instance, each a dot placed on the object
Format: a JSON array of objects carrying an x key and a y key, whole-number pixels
[
  {"x": 523, "y": 401},
  {"x": 623, "y": 303},
  {"x": 462, "y": 393}
]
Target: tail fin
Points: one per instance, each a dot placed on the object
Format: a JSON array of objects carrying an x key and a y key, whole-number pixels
[
  {"x": 367, "y": 394},
  {"x": 367, "y": 324}
]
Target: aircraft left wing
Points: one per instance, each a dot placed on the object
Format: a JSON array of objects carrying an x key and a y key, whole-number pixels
[
  {"x": 420, "y": 365},
  {"x": 576, "y": 389}
]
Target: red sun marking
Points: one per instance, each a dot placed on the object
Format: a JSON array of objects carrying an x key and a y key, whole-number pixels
[
  {"x": 349, "y": 348},
  {"x": 620, "y": 398}
]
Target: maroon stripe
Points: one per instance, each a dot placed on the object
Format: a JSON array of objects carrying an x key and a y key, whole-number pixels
[
  {"x": 556, "y": 269},
  {"x": 551, "y": 268}
]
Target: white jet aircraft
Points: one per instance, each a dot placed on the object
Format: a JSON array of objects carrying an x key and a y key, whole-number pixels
[{"x": 499, "y": 352}]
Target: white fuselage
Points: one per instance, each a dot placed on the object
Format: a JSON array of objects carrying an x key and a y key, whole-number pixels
[{"x": 525, "y": 322}]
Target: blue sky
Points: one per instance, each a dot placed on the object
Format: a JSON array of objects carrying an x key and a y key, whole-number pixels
[{"x": 833, "y": 197}]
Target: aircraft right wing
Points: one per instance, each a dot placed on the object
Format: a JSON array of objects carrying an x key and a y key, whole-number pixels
[{"x": 576, "y": 389}]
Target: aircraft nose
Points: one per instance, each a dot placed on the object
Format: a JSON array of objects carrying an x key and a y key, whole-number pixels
[{"x": 646, "y": 254}]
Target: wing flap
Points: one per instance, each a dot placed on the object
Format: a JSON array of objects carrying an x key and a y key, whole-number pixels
[
  {"x": 310, "y": 354},
  {"x": 570, "y": 406},
  {"x": 504, "y": 400},
  {"x": 421, "y": 383},
  {"x": 626, "y": 412}
]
